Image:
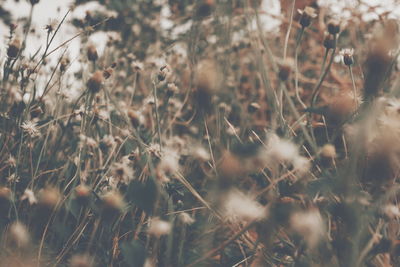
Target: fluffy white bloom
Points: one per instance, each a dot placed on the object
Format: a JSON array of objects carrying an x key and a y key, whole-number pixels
[
  {"x": 30, "y": 196},
  {"x": 158, "y": 227},
  {"x": 238, "y": 205},
  {"x": 185, "y": 218},
  {"x": 308, "y": 224},
  {"x": 392, "y": 211},
  {"x": 19, "y": 234},
  {"x": 281, "y": 150}
]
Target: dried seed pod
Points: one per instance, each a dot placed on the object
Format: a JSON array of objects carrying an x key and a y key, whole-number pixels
[
  {"x": 330, "y": 41},
  {"x": 285, "y": 68},
  {"x": 306, "y": 16},
  {"x": 333, "y": 26},
  {"x": 14, "y": 48},
  {"x": 95, "y": 82},
  {"x": 92, "y": 53}
]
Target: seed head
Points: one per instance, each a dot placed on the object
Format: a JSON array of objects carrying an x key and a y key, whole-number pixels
[
  {"x": 285, "y": 68},
  {"x": 306, "y": 15},
  {"x": 92, "y": 53},
  {"x": 113, "y": 202},
  {"x": 333, "y": 26},
  {"x": 14, "y": 48},
  {"x": 34, "y": 2},
  {"x": 330, "y": 41},
  {"x": 347, "y": 55},
  {"x": 95, "y": 82}
]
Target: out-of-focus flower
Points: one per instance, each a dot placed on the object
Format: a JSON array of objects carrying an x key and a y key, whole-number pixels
[
  {"x": 185, "y": 218},
  {"x": 239, "y": 206},
  {"x": 309, "y": 225},
  {"x": 159, "y": 227},
  {"x": 30, "y": 196}
]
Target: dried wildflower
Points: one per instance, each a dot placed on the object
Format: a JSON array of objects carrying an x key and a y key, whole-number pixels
[
  {"x": 64, "y": 63},
  {"x": 49, "y": 197},
  {"x": 30, "y": 196},
  {"x": 113, "y": 202},
  {"x": 308, "y": 224},
  {"x": 95, "y": 82},
  {"x": 11, "y": 161},
  {"x": 328, "y": 151},
  {"x": 340, "y": 107},
  {"x": 306, "y": 15},
  {"x": 185, "y": 218},
  {"x": 281, "y": 150},
  {"x": 136, "y": 118},
  {"x": 171, "y": 89},
  {"x": 13, "y": 178},
  {"x": 301, "y": 165},
  {"x": 87, "y": 141},
  {"x": 19, "y": 234},
  {"x": 330, "y": 41},
  {"x": 158, "y": 227},
  {"x": 347, "y": 56},
  {"x": 81, "y": 261},
  {"x": 122, "y": 171},
  {"x": 200, "y": 153},
  {"x": 50, "y": 27},
  {"x": 82, "y": 193},
  {"x": 36, "y": 111},
  {"x": 333, "y": 26},
  {"x": 14, "y": 48},
  {"x": 391, "y": 211},
  {"x": 30, "y": 128},
  {"x": 164, "y": 73},
  {"x": 285, "y": 68},
  {"x": 5, "y": 193},
  {"x": 239, "y": 206},
  {"x": 92, "y": 53}
]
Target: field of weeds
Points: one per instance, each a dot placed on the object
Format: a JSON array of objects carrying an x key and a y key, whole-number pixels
[{"x": 200, "y": 133}]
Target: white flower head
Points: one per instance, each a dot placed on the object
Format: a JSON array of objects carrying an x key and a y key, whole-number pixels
[
  {"x": 185, "y": 218},
  {"x": 30, "y": 196},
  {"x": 239, "y": 206},
  {"x": 281, "y": 150},
  {"x": 159, "y": 227},
  {"x": 391, "y": 211},
  {"x": 19, "y": 234},
  {"x": 308, "y": 224}
]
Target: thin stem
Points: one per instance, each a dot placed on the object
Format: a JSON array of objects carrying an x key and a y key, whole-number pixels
[
  {"x": 354, "y": 84},
  {"x": 323, "y": 75},
  {"x": 289, "y": 29},
  {"x": 157, "y": 116},
  {"x": 296, "y": 80}
]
